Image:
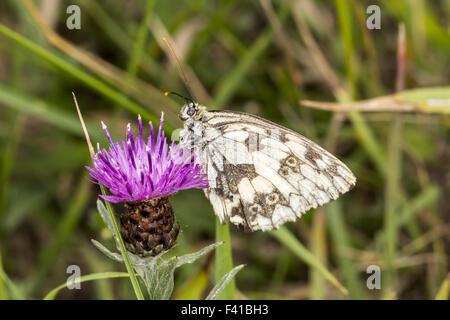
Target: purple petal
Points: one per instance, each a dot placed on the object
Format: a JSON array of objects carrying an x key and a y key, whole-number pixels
[{"x": 136, "y": 169}]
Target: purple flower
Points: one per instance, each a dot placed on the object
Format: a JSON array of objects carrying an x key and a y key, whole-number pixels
[{"x": 135, "y": 170}]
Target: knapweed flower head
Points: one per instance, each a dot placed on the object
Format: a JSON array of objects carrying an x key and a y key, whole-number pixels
[{"x": 138, "y": 169}]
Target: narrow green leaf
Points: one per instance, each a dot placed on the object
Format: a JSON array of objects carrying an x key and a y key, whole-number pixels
[
  {"x": 319, "y": 248},
  {"x": 346, "y": 23},
  {"x": 224, "y": 259},
  {"x": 138, "y": 48},
  {"x": 94, "y": 276},
  {"x": 191, "y": 257},
  {"x": 391, "y": 202},
  {"x": 112, "y": 255},
  {"x": 222, "y": 284}
]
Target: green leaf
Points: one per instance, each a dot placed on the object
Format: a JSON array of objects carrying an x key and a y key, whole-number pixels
[
  {"x": 94, "y": 276},
  {"x": 112, "y": 255},
  {"x": 222, "y": 284},
  {"x": 149, "y": 274},
  {"x": 164, "y": 282},
  {"x": 191, "y": 257}
]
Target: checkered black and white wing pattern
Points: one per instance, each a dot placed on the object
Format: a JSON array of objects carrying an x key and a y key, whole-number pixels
[{"x": 262, "y": 175}]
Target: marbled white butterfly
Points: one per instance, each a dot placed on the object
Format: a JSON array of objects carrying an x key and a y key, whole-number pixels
[{"x": 261, "y": 175}]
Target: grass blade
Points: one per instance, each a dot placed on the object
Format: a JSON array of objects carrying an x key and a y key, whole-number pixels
[
  {"x": 6, "y": 283},
  {"x": 318, "y": 245},
  {"x": 233, "y": 79},
  {"x": 287, "y": 239},
  {"x": 224, "y": 260},
  {"x": 96, "y": 84},
  {"x": 6, "y": 164},
  {"x": 231, "y": 82},
  {"x": 141, "y": 37},
  {"x": 341, "y": 241},
  {"x": 90, "y": 277},
  {"x": 443, "y": 290}
]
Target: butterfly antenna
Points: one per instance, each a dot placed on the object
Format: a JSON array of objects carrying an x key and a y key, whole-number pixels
[
  {"x": 183, "y": 75},
  {"x": 166, "y": 93}
]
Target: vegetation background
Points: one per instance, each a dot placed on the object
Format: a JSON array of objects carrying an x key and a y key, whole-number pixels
[{"x": 263, "y": 57}]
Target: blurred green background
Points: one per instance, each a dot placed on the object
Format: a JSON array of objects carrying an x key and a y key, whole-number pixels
[{"x": 261, "y": 57}]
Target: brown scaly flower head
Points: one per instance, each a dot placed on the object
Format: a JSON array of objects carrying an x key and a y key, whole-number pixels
[{"x": 143, "y": 174}]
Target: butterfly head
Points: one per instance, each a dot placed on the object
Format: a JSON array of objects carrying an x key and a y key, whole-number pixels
[{"x": 191, "y": 110}]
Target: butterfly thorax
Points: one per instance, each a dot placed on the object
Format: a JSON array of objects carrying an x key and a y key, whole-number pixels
[{"x": 191, "y": 137}]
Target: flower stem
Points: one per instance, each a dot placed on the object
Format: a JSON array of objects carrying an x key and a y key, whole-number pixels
[{"x": 123, "y": 250}]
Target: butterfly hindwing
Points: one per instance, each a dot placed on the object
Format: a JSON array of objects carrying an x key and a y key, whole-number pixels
[{"x": 263, "y": 175}]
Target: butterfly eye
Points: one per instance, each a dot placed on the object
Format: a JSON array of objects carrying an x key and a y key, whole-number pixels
[{"x": 190, "y": 111}]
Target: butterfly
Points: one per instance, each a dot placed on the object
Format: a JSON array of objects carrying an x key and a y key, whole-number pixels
[{"x": 260, "y": 174}]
